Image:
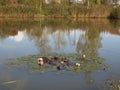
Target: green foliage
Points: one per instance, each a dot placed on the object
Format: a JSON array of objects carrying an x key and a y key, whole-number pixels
[
  {"x": 21, "y": 9},
  {"x": 103, "y": 1},
  {"x": 115, "y": 13},
  {"x": 4, "y": 2},
  {"x": 94, "y": 2}
]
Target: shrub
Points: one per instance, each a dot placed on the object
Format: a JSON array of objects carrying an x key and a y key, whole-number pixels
[{"x": 115, "y": 13}]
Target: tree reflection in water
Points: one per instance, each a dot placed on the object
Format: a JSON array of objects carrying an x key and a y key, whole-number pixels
[{"x": 55, "y": 35}]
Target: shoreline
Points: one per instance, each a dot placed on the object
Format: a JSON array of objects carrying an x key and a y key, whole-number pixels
[
  {"x": 26, "y": 16},
  {"x": 54, "y": 17}
]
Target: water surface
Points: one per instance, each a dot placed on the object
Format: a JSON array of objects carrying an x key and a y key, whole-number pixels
[{"x": 92, "y": 37}]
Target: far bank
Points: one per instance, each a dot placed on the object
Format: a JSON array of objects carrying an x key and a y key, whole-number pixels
[{"x": 98, "y": 11}]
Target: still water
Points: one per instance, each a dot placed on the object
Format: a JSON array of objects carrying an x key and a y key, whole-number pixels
[{"x": 92, "y": 37}]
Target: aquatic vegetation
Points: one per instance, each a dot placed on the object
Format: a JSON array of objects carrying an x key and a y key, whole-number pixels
[
  {"x": 113, "y": 85},
  {"x": 90, "y": 64}
]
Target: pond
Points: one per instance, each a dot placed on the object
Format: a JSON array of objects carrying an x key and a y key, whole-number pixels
[{"x": 23, "y": 41}]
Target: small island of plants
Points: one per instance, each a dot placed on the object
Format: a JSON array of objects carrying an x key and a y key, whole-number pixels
[{"x": 72, "y": 63}]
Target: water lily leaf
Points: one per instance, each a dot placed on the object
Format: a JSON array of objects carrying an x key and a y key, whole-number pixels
[{"x": 90, "y": 64}]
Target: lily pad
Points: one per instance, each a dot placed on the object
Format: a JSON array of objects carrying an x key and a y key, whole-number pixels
[{"x": 90, "y": 64}]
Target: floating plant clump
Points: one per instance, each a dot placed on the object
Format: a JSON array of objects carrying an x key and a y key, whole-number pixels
[
  {"x": 112, "y": 84},
  {"x": 71, "y": 62}
]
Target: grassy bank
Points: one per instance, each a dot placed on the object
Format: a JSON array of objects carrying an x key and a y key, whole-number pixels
[{"x": 73, "y": 11}]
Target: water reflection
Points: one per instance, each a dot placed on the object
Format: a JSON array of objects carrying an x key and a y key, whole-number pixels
[
  {"x": 60, "y": 36},
  {"x": 82, "y": 36},
  {"x": 62, "y": 32},
  {"x": 19, "y": 37}
]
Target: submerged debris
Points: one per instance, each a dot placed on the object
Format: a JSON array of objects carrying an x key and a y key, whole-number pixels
[
  {"x": 90, "y": 81},
  {"x": 9, "y": 82}
]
